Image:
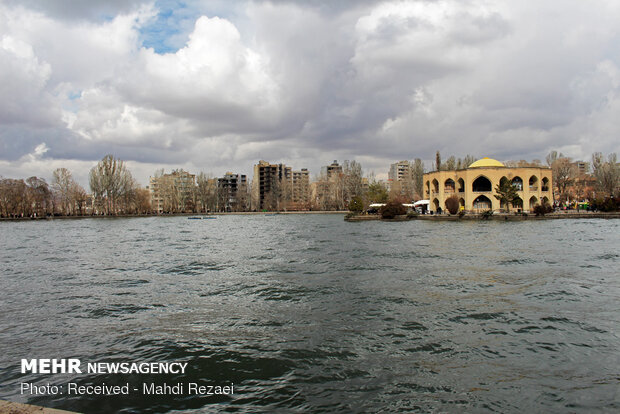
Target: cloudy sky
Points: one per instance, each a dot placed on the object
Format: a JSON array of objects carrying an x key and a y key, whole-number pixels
[{"x": 215, "y": 85}]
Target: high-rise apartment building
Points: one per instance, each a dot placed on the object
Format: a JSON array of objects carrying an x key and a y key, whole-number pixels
[
  {"x": 172, "y": 193},
  {"x": 400, "y": 178},
  {"x": 331, "y": 171},
  {"x": 300, "y": 194},
  {"x": 400, "y": 171},
  {"x": 271, "y": 186},
  {"x": 232, "y": 192},
  {"x": 581, "y": 168}
]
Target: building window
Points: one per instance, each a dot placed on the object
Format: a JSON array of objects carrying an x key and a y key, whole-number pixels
[{"x": 481, "y": 184}]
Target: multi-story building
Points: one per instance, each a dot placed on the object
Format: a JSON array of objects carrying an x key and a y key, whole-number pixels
[
  {"x": 271, "y": 186},
  {"x": 331, "y": 171},
  {"x": 581, "y": 168},
  {"x": 400, "y": 171},
  {"x": 400, "y": 178},
  {"x": 232, "y": 192},
  {"x": 172, "y": 193},
  {"x": 300, "y": 189}
]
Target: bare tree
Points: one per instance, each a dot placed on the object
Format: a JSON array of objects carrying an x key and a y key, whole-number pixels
[
  {"x": 563, "y": 172},
  {"x": 450, "y": 164},
  {"x": 111, "y": 182},
  {"x": 62, "y": 183},
  {"x": 40, "y": 196},
  {"x": 13, "y": 197},
  {"x": 206, "y": 192},
  {"x": 79, "y": 197},
  {"x": 607, "y": 173},
  {"x": 468, "y": 160},
  {"x": 142, "y": 201},
  {"x": 353, "y": 182}
]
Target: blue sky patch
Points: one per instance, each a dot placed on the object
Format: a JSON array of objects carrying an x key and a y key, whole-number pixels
[{"x": 167, "y": 33}]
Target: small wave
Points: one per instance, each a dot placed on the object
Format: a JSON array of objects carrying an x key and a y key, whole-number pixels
[
  {"x": 196, "y": 268},
  {"x": 433, "y": 348},
  {"x": 527, "y": 329},
  {"x": 609, "y": 256},
  {"x": 414, "y": 326},
  {"x": 115, "y": 311},
  {"x": 584, "y": 326},
  {"x": 486, "y": 316},
  {"x": 509, "y": 262}
]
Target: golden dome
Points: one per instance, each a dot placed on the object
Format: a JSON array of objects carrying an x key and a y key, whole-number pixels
[{"x": 486, "y": 162}]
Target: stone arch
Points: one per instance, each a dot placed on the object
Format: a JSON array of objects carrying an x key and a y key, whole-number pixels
[
  {"x": 517, "y": 203},
  {"x": 544, "y": 200},
  {"x": 428, "y": 187},
  {"x": 435, "y": 185},
  {"x": 436, "y": 204},
  {"x": 482, "y": 203},
  {"x": 533, "y": 202},
  {"x": 481, "y": 184},
  {"x": 462, "y": 202},
  {"x": 545, "y": 184},
  {"x": 517, "y": 183},
  {"x": 461, "y": 183},
  {"x": 449, "y": 186},
  {"x": 533, "y": 183}
]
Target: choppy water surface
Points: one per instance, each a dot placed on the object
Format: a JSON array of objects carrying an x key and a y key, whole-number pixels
[{"x": 307, "y": 313}]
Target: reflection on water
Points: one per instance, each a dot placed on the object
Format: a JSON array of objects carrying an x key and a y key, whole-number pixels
[{"x": 309, "y": 313}]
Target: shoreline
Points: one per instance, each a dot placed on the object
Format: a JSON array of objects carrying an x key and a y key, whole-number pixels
[
  {"x": 235, "y": 213},
  {"x": 495, "y": 217}
]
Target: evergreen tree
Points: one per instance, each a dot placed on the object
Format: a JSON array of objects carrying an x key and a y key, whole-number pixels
[{"x": 506, "y": 192}]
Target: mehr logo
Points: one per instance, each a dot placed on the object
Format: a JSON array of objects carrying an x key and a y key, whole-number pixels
[{"x": 51, "y": 366}]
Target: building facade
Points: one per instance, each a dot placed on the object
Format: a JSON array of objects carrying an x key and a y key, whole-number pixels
[
  {"x": 400, "y": 171},
  {"x": 271, "y": 186},
  {"x": 400, "y": 179},
  {"x": 300, "y": 190},
  {"x": 475, "y": 186},
  {"x": 232, "y": 192},
  {"x": 331, "y": 171},
  {"x": 172, "y": 193}
]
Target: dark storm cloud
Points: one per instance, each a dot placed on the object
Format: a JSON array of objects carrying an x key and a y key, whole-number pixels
[{"x": 79, "y": 9}]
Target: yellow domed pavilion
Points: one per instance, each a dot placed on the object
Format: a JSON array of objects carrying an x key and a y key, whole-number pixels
[{"x": 475, "y": 185}]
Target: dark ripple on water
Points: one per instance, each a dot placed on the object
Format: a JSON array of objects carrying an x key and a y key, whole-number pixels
[{"x": 311, "y": 314}]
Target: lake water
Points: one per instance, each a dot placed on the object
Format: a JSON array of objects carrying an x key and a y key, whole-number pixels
[{"x": 308, "y": 313}]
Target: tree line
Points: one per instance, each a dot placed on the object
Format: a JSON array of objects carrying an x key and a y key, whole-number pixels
[
  {"x": 597, "y": 180},
  {"x": 113, "y": 190}
]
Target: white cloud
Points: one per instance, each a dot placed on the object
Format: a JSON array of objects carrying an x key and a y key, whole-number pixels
[{"x": 306, "y": 84}]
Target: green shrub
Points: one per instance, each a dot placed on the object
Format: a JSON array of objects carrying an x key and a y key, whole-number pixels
[
  {"x": 542, "y": 209},
  {"x": 606, "y": 205},
  {"x": 486, "y": 215},
  {"x": 412, "y": 214},
  {"x": 392, "y": 209},
  {"x": 356, "y": 205}
]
